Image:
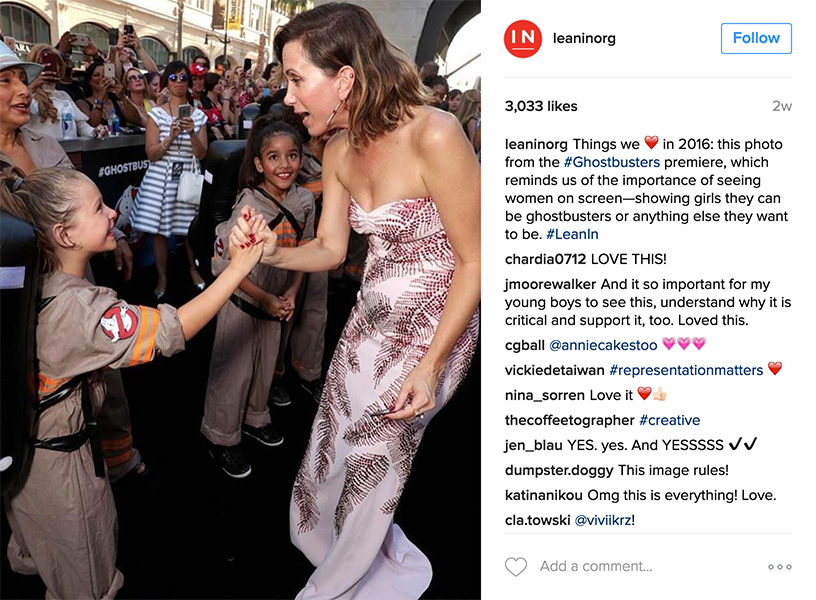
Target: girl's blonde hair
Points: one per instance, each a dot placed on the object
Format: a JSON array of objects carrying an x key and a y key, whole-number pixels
[
  {"x": 386, "y": 86},
  {"x": 46, "y": 105},
  {"x": 41, "y": 199},
  {"x": 470, "y": 108}
]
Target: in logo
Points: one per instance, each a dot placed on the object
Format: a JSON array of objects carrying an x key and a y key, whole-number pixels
[{"x": 522, "y": 39}]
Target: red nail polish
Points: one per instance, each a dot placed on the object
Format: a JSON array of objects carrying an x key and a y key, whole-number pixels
[{"x": 246, "y": 217}]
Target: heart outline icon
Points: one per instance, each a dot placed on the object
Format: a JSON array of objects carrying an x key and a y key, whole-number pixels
[
  {"x": 684, "y": 342},
  {"x": 651, "y": 141},
  {"x": 699, "y": 342},
  {"x": 644, "y": 392},
  {"x": 516, "y": 564},
  {"x": 775, "y": 367},
  {"x": 668, "y": 342}
]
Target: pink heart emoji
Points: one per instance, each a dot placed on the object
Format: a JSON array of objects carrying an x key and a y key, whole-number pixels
[
  {"x": 699, "y": 342},
  {"x": 668, "y": 342},
  {"x": 651, "y": 140},
  {"x": 684, "y": 342}
]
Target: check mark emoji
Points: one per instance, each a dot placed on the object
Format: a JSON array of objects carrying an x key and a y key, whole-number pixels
[
  {"x": 747, "y": 447},
  {"x": 735, "y": 446}
]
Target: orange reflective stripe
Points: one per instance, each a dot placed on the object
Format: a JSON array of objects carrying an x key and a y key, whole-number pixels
[
  {"x": 48, "y": 385},
  {"x": 145, "y": 339},
  {"x": 124, "y": 442},
  {"x": 151, "y": 337},
  {"x": 114, "y": 461}
]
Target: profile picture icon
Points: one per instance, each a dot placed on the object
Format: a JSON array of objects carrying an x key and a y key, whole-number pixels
[{"x": 522, "y": 39}]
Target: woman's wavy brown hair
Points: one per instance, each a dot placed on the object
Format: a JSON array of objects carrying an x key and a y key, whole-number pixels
[
  {"x": 386, "y": 87},
  {"x": 45, "y": 105}
]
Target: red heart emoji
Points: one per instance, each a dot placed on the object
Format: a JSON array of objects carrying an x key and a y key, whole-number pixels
[
  {"x": 644, "y": 392},
  {"x": 651, "y": 140},
  {"x": 775, "y": 367}
]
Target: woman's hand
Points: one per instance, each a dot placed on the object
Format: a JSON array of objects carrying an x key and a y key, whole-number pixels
[
  {"x": 175, "y": 130},
  {"x": 45, "y": 78},
  {"x": 417, "y": 394},
  {"x": 245, "y": 255},
  {"x": 264, "y": 235},
  {"x": 164, "y": 96},
  {"x": 90, "y": 50},
  {"x": 121, "y": 54},
  {"x": 186, "y": 124},
  {"x": 116, "y": 89},
  {"x": 64, "y": 43}
]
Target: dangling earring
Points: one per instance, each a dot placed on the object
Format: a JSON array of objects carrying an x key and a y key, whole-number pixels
[{"x": 334, "y": 112}]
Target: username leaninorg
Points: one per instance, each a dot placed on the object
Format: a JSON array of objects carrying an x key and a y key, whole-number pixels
[{"x": 583, "y": 38}]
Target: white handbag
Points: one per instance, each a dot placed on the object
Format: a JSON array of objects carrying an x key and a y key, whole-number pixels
[{"x": 190, "y": 185}]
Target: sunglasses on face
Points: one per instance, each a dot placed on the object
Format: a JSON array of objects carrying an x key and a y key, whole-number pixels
[
  {"x": 135, "y": 77},
  {"x": 180, "y": 77}
]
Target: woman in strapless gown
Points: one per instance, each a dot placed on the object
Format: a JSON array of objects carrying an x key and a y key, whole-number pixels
[{"x": 404, "y": 175}]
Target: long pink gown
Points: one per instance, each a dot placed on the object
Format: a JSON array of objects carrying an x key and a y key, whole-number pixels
[{"x": 356, "y": 464}]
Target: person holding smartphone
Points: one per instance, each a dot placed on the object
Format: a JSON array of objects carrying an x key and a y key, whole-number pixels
[
  {"x": 176, "y": 138},
  {"x": 131, "y": 41},
  {"x": 105, "y": 97},
  {"x": 49, "y": 103}
]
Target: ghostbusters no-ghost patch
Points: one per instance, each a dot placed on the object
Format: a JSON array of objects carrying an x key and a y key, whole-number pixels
[
  {"x": 219, "y": 247},
  {"x": 119, "y": 323}
]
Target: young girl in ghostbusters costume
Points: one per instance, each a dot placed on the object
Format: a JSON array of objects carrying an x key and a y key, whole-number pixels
[
  {"x": 62, "y": 516},
  {"x": 248, "y": 331}
]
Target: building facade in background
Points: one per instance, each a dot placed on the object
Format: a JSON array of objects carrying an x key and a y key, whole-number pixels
[{"x": 250, "y": 23}]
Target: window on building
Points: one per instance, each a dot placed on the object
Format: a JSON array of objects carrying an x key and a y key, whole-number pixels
[
  {"x": 156, "y": 50},
  {"x": 24, "y": 25},
  {"x": 200, "y": 4},
  {"x": 256, "y": 17},
  {"x": 97, "y": 33},
  {"x": 189, "y": 53}
]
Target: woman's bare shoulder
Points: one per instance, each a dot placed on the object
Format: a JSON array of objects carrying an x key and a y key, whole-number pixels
[
  {"x": 433, "y": 126},
  {"x": 436, "y": 130}
]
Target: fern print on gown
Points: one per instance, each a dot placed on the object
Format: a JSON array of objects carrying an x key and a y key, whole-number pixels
[{"x": 356, "y": 464}]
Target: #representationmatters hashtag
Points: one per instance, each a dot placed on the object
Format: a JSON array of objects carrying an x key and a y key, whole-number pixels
[{"x": 613, "y": 370}]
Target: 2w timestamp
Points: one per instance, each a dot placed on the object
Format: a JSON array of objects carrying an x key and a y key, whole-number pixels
[{"x": 517, "y": 106}]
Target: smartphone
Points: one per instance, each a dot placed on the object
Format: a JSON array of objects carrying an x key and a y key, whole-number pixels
[
  {"x": 266, "y": 92},
  {"x": 247, "y": 65},
  {"x": 113, "y": 36},
  {"x": 184, "y": 111},
  {"x": 51, "y": 63},
  {"x": 128, "y": 29},
  {"x": 110, "y": 70},
  {"x": 80, "y": 39}
]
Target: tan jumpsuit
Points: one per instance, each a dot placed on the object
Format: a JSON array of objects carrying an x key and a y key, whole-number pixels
[
  {"x": 245, "y": 349},
  {"x": 114, "y": 418},
  {"x": 63, "y": 518}
]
